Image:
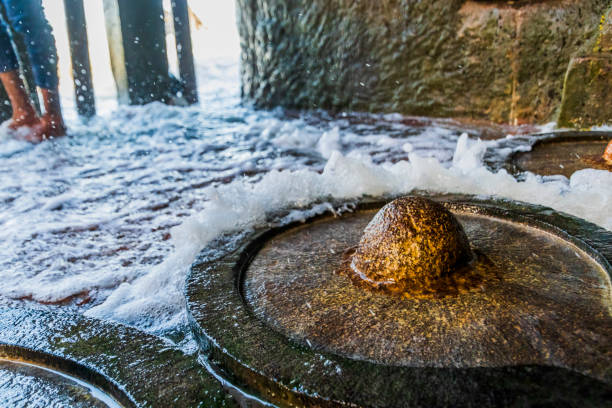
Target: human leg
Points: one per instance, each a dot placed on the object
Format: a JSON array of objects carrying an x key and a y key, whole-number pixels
[
  {"x": 51, "y": 124},
  {"x": 8, "y": 60},
  {"x": 23, "y": 112},
  {"x": 27, "y": 18}
]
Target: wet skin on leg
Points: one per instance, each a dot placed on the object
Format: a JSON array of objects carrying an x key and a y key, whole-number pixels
[
  {"x": 27, "y": 19},
  {"x": 51, "y": 123},
  {"x": 23, "y": 111}
]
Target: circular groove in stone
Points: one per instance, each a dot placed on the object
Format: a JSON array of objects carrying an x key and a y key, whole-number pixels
[
  {"x": 136, "y": 369},
  {"x": 288, "y": 373},
  {"x": 47, "y": 388},
  {"x": 546, "y": 286},
  {"x": 563, "y": 153}
]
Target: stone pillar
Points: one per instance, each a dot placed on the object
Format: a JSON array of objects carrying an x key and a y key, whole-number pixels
[
  {"x": 137, "y": 43},
  {"x": 79, "y": 55},
  {"x": 182, "y": 34}
]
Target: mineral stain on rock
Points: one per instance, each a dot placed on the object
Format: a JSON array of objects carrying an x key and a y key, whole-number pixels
[{"x": 416, "y": 248}]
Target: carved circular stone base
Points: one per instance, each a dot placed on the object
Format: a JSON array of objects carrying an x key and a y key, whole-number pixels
[
  {"x": 273, "y": 315},
  {"x": 563, "y": 153}
]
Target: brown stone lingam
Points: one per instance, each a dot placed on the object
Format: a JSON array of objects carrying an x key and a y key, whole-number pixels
[{"x": 415, "y": 247}]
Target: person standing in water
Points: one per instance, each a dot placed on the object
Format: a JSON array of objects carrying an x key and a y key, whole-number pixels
[{"x": 28, "y": 19}]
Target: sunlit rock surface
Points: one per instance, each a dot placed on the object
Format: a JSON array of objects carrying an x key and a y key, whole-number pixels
[{"x": 504, "y": 61}]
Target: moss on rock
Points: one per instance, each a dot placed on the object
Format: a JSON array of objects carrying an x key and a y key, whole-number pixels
[{"x": 587, "y": 91}]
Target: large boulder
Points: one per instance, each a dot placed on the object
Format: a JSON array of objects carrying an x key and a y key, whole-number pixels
[{"x": 498, "y": 60}]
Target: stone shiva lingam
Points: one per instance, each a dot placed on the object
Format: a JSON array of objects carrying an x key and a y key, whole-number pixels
[
  {"x": 414, "y": 247},
  {"x": 446, "y": 302}
]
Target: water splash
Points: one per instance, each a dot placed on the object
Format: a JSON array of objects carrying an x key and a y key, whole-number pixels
[{"x": 156, "y": 300}]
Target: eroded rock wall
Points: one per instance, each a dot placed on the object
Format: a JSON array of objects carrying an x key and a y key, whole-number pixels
[{"x": 497, "y": 60}]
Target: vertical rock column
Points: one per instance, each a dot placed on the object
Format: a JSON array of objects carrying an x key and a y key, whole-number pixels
[
  {"x": 79, "y": 56},
  {"x": 137, "y": 43}
]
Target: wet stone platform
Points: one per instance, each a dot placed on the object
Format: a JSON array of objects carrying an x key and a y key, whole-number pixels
[
  {"x": 260, "y": 304},
  {"x": 59, "y": 358},
  {"x": 515, "y": 318},
  {"x": 27, "y": 385}
]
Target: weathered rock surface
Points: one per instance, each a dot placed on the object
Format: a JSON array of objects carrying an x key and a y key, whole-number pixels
[
  {"x": 587, "y": 95},
  {"x": 497, "y": 60}
]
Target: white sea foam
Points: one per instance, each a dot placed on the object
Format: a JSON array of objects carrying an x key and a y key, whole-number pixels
[
  {"x": 156, "y": 300},
  {"x": 7, "y": 134}
]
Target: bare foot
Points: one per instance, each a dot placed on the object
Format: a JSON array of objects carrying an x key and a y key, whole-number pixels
[
  {"x": 47, "y": 127},
  {"x": 607, "y": 156},
  {"x": 23, "y": 118}
]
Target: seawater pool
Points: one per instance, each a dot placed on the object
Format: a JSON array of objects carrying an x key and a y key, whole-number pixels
[{"x": 108, "y": 219}]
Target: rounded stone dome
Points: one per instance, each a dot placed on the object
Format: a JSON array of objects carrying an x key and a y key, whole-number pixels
[{"x": 410, "y": 245}]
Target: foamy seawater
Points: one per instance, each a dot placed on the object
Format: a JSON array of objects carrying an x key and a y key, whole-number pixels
[{"x": 108, "y": 219}]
